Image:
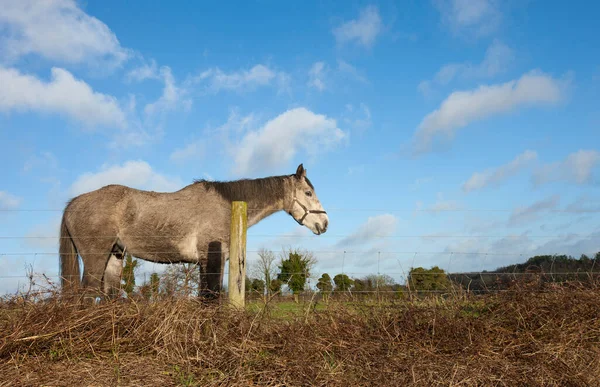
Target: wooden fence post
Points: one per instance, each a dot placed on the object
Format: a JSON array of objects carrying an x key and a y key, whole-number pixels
[{"x": 237, "y": 254}]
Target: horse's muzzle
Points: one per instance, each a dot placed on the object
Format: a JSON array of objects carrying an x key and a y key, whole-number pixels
[{"x": 321, "y": 229}]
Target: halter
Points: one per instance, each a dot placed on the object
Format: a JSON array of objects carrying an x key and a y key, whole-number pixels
[{"x": 306, "y": 212}]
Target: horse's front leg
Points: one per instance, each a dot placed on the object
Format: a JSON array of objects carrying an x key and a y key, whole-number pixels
[{"x": 211, "y": 269}]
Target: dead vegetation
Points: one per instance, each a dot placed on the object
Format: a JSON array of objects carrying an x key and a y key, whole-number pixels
[{"x": 524, "y": 336}]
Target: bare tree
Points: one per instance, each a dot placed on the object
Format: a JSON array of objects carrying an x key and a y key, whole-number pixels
[
  {"x": 180, "y": 279},
  {"x": 264, "y": 268}
]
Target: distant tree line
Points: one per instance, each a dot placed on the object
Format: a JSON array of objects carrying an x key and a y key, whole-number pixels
[
  {"x": 292, "y": 269},
  {"x": 539, "y": 268}
]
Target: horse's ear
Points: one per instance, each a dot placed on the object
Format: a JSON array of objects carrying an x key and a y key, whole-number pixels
[{"x": 300, "y": 172}]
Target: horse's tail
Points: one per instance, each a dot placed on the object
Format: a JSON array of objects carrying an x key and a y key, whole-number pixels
[{"x": 69, "y": 263}]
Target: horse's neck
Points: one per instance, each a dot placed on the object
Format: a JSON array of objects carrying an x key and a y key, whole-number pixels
[
  {"x": 260, "y": 209},
  {"x": 256, "y": 214},
  {"x": 264, "y": 200}
]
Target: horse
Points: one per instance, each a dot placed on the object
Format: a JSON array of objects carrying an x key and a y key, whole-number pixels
[{"x": 191, "y": 225}]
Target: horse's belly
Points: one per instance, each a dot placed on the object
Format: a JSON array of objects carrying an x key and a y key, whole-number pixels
[{"x": 188, "y": 247}]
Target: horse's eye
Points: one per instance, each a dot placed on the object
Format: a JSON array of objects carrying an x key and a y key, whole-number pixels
[{"x": 308, "y": 193}]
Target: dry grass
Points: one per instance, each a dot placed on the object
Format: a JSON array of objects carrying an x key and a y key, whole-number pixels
[{"x": 515, "y": 338}]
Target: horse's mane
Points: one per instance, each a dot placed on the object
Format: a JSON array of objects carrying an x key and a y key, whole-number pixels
[{"x": 265, "y": 188}]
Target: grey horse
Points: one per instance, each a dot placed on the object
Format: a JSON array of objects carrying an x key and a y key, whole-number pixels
[{"x": 190, "y": 225}]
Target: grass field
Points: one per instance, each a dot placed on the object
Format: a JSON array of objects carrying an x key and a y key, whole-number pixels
[{"x": 524, "y": 336}]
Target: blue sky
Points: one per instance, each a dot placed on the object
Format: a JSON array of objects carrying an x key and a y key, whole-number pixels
[{"x": 455, "y": 133}]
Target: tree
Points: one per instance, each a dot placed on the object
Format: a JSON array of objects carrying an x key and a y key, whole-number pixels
[
  {"x": 257, "y": 285},
  {"x": 428, "y": 279},
  {"x": 264, "y": 267},
  {"x": 294, "y": 269},
  {"x": 358, "y": 285},
  {"x": 275, "y": 285},
  {"x": 324, "y": 285},
  {"x": 128, "y": 277},
  {"x": 248, "y": 287},
  {"x": 342, "y": 282},
  {"x": 149, "y": 290},
  {"x": 181, "y": 279},
  {"x": 154, "y": 283}
]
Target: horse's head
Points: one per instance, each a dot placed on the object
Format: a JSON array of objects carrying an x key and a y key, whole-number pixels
[{"x": 304, "y": 206}]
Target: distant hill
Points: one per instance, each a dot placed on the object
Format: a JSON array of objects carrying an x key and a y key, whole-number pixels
[{"x": 547, "y": 268}]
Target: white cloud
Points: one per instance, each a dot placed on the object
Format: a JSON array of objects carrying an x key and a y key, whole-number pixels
[
  {"x": 243, "y": 80},
  {"x": 143, "y": 72},
  {"x": 172, "y": 97},
  {"x": 571, "y": 244},
  {"x": 575, "y": 168},
  {"x": 298, "y": 237},
  {"x": 497, "y": 59},
  {"x": 522, "y": 215},
  {"x": 464, "y": 107},
  {"x": 135, "y": 173},
  {"x": 45, "y": 160},
  {"x": 322, "y": 77},
  {"x": 57, "y": 30},
  {"x": 64, "y": 94},
  {"x": 375, "y": 228},
  {"x": 442, "y": 204},
  {"x": 472, "y": 17},
  {"x": 363, "y": 30},
  {"x": 493, "y": 176},
  {"x": 133, "y": 137},
  {"x": 316, "y": 76},
  {"x": 278, "y": 141},
  {"x": 44, "y": 236},
  {"x": 518, "y": 248},
  {"x": 9, "y": 201},
  {"x": 193, "y": 150},
  {"x": 346, "y": 68},
  {"x": 584, "y": 205},
  {"x": 358, "y": 118}
]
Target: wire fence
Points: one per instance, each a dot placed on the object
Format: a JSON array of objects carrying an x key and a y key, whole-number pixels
[
  {"x": 484, "y": 279},
  {"x": 350, "y": 209},
  {"x": 295, "y": 236},
  {"x": 346, "y": 284}
]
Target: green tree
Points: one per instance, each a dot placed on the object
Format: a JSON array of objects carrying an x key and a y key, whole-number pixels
[
  {"x": 128, "y": 277},
  {"x": 428, "y": 279},
  {"x": 145, "y": 291},
  {"x": 275, "y": 285},
  {"x": 324, "y": 285},
  {"x": 154, "y": 284},
  {"x": 342, "y": 282},
  {"x": 248, "y": 287},
  {"x": 149, "y": 290},
  {"x": 257, "y": 285},
  {"x": 359, "y": 285},
  {"x": 294, "y": 269}
]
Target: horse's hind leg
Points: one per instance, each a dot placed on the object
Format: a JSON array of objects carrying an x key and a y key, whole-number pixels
[
  {"x": 95, "y": 257},
  {"x": 112, "y": 275}
]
